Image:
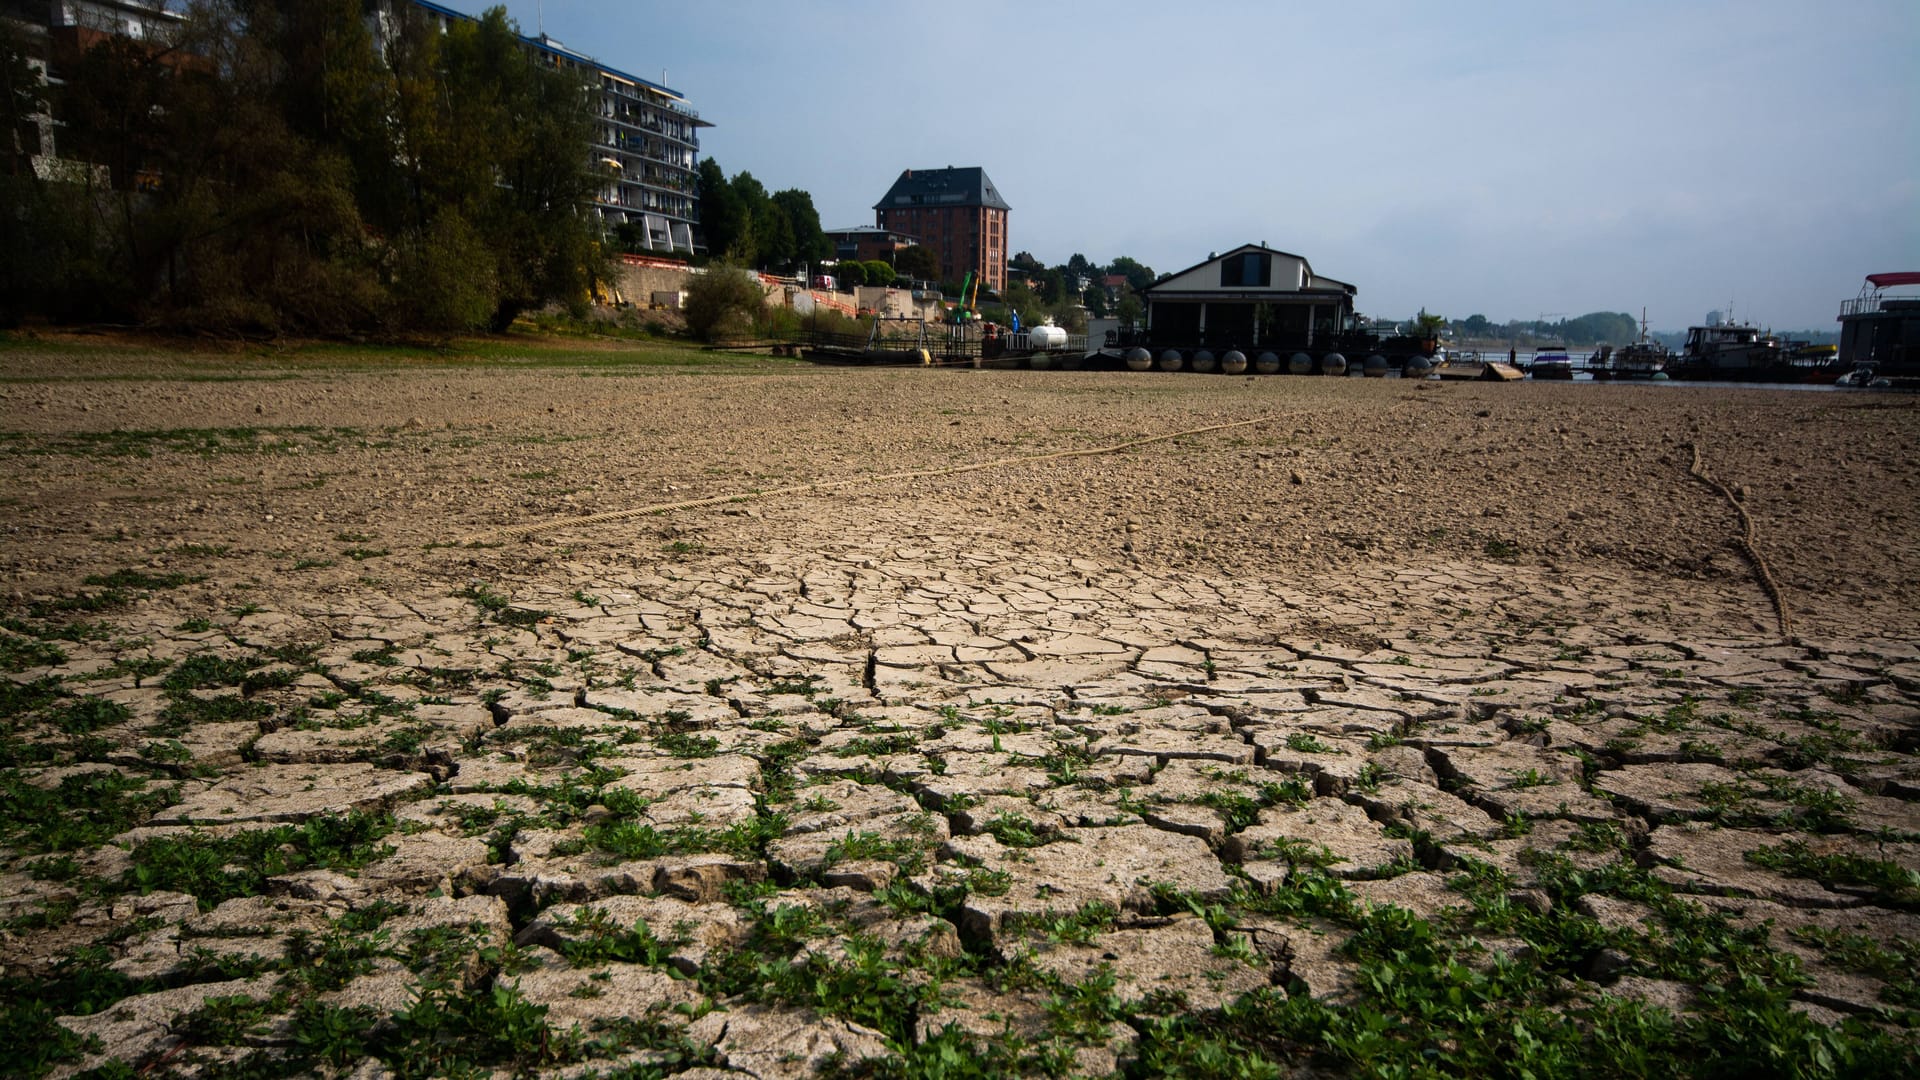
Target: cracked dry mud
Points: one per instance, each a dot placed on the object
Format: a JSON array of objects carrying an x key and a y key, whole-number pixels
[{"x": 1050, "y": 761}]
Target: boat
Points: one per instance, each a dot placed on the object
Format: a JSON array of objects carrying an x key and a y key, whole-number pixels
[
  {"x": 1643, "y": 359},
  {"x": 1880, "y": 332},
  {"x": 1550, "y": 362},
  {"x": 1732, "y": 352}
]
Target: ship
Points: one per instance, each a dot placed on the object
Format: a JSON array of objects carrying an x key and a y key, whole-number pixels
[
  {"x": 1730, "y": 351},
  {"x": 1643, "y": 359},
  {"x": 1880, "y": 332}
]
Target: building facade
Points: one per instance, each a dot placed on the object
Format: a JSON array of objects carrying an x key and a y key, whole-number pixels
[
  {"x": 1250, "y": 297},
  {"x": 957, "y": 215},
  {"x": 54, "y": 34},
  {"x": 646, "y": 144},
  {"x": 864, "y": 243}
]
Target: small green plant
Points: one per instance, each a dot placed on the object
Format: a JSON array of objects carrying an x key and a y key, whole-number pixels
[
  {"x": 1530, "y": 778},
  {"x": 1504, "y": 550},
  {"x": 687, "y": 745},
  {"x": 1302, "y": 743}
]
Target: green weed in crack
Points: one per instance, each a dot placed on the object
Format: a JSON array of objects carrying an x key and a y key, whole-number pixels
[
  {"x": 1427, "y": 1000},
  {"x": 1018, "y": 831},
  {"x": 500, "y": 608},
  {"x": 82, "y": 811},
  {"x": 595, "y": 940},
  {"x": 683, "y": 744},
  {"x": 218, "y": 868},
  {"x": 1892, "y": 884},
  {"x": 1773, "y": 801}
]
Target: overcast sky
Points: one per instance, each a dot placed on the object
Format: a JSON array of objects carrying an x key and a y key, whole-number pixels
[{"x": 1507, "y": 159}]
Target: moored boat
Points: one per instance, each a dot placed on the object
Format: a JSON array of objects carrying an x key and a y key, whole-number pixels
[
  {"x": 1643, "y": 359},
  {"x": 1550, "y": 362},
  {"x": 1880, "y": 332},
  {"x": 1728, "y": 351}
]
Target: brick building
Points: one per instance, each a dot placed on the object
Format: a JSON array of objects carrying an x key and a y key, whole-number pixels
[{"x": 957, "y": 215}]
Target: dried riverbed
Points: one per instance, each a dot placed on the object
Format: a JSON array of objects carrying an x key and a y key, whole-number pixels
[{"x": 1445, "y": 725}]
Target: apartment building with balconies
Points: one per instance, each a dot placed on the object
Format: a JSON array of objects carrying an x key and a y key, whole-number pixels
[{"x": 646, "y": 145}]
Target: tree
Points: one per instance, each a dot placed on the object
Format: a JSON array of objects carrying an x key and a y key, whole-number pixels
[
  {"x": 1428, "y": 326},
  {"x": 1138, "y": 276},
  {"x": 916, "y": 261},
  {"x": 723, "y": 220},
  {"x": 810, "y": 244},
  {"x": 879, "y": 272},
  {"x": 1050, "y": 285},
  {"x": 769, "y": 237},
  {"x": 540, "y": 128},
  {"x": 722, "y": 302}
]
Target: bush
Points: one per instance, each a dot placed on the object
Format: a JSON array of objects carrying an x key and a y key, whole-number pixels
[
  {"x": 723, "y": 302},
  {"x": 878, "y": 272}
]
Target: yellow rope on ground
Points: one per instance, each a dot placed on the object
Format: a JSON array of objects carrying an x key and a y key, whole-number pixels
[
  {"x": 1744, "y": 541},
  {"x": 829, "y": 485}
]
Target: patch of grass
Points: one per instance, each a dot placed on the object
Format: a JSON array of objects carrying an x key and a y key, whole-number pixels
[
  {"x": 1016, "y": 830},
  {"x": 684, "y": 744},
  {"x": 1302, "y": 743},
  {"x": 598, "y": 941},
  {"x": 634, "y": 840},
  {"x": 140, "y": 579},
  {"x": 499, "y": 607},
  {"x": 218, "y": 868},
  {"x": 1893, "y": 885},
  {"x": 879, "y": 745},
  {"x": 18, "y": 654},
  {"x": 1771, "y": 801},
  {"x": 81, "y": 811},
  {"x": 1080, "y": 926},
  {"x": 384, "y": 656}
]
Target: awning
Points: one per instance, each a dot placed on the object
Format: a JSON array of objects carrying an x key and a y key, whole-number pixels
[{"x": 1890, "y": 280}]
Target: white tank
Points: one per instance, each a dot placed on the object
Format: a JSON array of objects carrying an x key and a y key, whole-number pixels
[{"x": 1047, "y": 336}]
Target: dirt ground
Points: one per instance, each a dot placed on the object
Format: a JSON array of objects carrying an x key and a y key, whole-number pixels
[
  {"x": 1322, "y": 575},
  {"x": 1336, "y": 476}
]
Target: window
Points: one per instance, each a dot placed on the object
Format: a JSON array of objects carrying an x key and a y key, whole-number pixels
[{"x": 1249, "y": 269}]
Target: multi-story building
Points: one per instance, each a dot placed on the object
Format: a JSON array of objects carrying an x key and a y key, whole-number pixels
[
  {"x": 957, "y": 215},
  {"x": 865, "y": 242},
  {"x": 55, "y": 33},
  {"x": 646, "y": 145}
]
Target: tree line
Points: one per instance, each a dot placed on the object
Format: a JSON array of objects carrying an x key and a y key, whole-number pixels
[
  {"x": 1594, "y": 328},
  {"x": 274, "y": 168},
  {"x": 1072, "y": 290},
  {"x": 745, "y": 226}
]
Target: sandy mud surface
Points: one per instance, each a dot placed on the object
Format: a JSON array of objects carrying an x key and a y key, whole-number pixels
[{"x": 336, "y": 739}]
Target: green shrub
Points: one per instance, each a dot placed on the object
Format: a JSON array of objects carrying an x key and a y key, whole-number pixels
[{"x": 722, "y": 303}]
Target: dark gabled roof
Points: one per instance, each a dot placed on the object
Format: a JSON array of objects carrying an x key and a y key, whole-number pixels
[
  {"x": 943, "y": 187},
  {"x": 1332, "y": 285}
]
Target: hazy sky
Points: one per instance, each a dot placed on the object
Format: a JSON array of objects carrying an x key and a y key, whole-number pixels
[{"x": 1506, "y": 159}]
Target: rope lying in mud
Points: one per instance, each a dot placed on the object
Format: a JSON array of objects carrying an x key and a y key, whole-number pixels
[
  {"x": 518, "y": 531},
  {"x": 1744, "y": 542}
]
